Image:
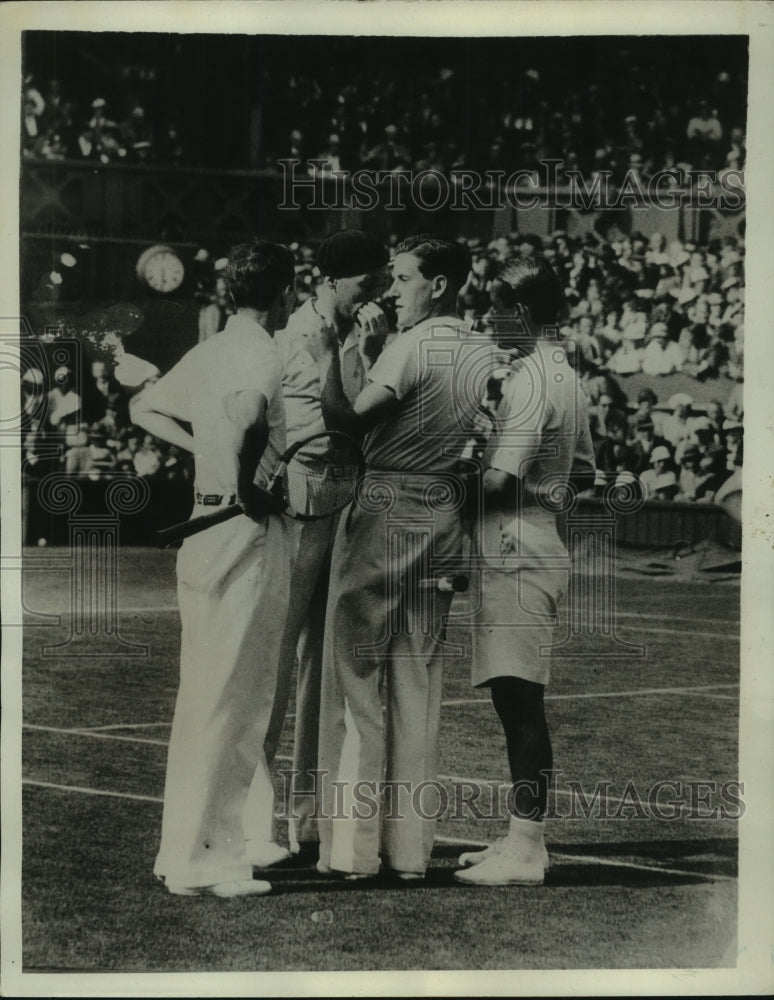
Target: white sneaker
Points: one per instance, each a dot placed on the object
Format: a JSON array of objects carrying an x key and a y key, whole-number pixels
[
  {"x": 517, "y": 861},
  {"x": 470, "y": 858},
  {"x": 264, "y": 854},
  {"x": 226, "y": 890}
]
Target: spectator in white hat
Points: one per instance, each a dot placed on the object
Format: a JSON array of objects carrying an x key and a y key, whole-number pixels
[
  {"x": 679, "y": 425},
  {"x": 661, "y": 356},
  {"x": 660, "y": 462},
  {"x": 627, "y": 360}
]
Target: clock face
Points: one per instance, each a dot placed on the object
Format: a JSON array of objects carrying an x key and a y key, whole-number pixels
[{"x": 163, "y": 270}]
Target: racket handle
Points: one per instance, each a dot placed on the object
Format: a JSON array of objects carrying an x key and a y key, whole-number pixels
[
  {"x": 185, "y": 529},
  {"x": 456, "y": 583}
]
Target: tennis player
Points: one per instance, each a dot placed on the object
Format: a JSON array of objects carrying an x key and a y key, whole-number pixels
[
  {"x": 353, "y": 266},
  {"x": 541, "y": 444},
  {"x": 233, "y": 579},
  {"x": 378, "y": 630}
]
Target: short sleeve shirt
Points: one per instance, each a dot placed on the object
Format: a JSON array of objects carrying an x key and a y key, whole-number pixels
[
  {"x": 242, "y": 357},
  {"x": 438, "y": 371},
  {"x": 542, "y": 423}
]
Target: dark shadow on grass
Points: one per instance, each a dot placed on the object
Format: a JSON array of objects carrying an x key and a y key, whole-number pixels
[{"x": 668, "y": 863}]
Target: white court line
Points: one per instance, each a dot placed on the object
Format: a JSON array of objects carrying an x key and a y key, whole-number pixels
[
  {"x": 104, "y": 730},
  {"x": 95, "y": 735},
  {"x": 582, "y": 858},
  {"x": 703, "y": 689},
  {"x": 682, "y": 631},
  {"x": 451, "y": 778},
  {"x": 90, "y": 791},
  {"x": 609, "y": 862},
  {"x": 121, "y": 725},
  {"x": 676, "y": 618}
]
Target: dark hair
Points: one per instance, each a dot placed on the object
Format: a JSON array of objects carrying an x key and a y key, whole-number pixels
[
  {"x": 533, "y": 283},
  {"x": 437, "y": 256},
  {"x": 257, "y": 272}
]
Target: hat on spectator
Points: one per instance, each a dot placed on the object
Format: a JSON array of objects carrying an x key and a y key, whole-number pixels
[
  {"x": 645, "y": 293},
  {"x": 680, "y": 258},
  {"x": 634, "y": 332},
  {"x": 62, "y": 372},
  {"x": 679, "y": 399},
  {"x": 33, "y": 375},
  {"x": 666, "y": 481},
  {"x": 691, "y": 450},
  {"x": 730, "y": 282},
  {"x": 98, "y": 102},
  {"x": 351, "y": 252},
  {"x": 660, "y": 454},
  {"x": 715, "y": 299},
  {"x": 699, "y": 274},
  {"x": 661, "y": 258},
  {"x": 702, "y": 424}
]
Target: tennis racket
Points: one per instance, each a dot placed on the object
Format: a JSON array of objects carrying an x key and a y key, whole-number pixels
[{"x": 312, "y": 480}]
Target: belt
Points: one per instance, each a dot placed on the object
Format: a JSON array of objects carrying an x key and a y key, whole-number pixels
[{"x": 215, "y": 499}]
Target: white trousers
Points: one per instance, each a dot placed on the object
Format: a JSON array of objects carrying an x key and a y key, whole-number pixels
[
  {"x": 311, "y": 544},
  {"x": 382, "y": 632},
  {"x": 233, "y": 582}
]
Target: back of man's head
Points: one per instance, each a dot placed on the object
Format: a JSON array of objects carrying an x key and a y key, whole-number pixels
[
  {"x": 530, "y": 282},
  {"x": 437, "y": 256},
  {"x": 258, "y": 272}
]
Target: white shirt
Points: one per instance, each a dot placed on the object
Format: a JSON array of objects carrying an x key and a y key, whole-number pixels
[
  {"x": 241, "y": 357},
  {"x": 542, "y": 434}
]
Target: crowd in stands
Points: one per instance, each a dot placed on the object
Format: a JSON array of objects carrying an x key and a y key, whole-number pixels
[
  {"x": 56, "y": 127},
  {"x": 635, "y": 307},
  {"x": 616, "y": 113},
  {"x": 85, "y": 430}
]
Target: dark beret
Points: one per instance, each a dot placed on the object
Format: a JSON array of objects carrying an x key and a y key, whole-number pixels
[{"x": 351, "y": 252}]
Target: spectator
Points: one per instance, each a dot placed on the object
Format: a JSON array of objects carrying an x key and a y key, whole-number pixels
[
  {"x": 679, "y": 426},
  {"x": 147, "y": 458},
  {"x": 129, "y": 445},
  {"x": 31, "y": 130},
  {"x": 136, "y": 135},
  {"x": 695, "y": 482},
  {"x": 665, "y": 487},
  {"x": 390, "y": 155},
  {"x": 627, "y": 360},
  {"x": 331, "y": 155},
  {"x": 659, "y": 463},
  {"x": 64, "y": 404},
  {"x": 661, "y": 356},
  {"x": 95, "y": 459},
  {"x": 644, "y": 444},
  {"x": 704, "y": 135}
]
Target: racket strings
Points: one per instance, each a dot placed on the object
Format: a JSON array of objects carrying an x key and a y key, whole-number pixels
[{"x": 319, "y": 481}]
